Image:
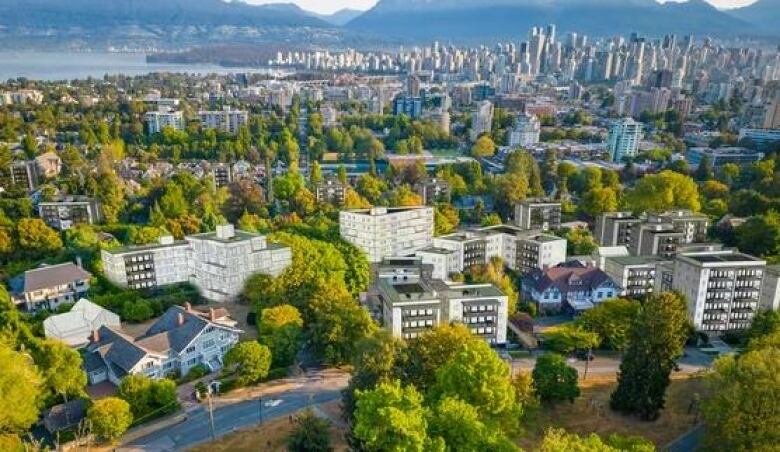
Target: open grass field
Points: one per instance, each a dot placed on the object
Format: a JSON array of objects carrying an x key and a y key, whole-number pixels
[
  {"x": 591, "y": 414},
  {"x": 270, "y": 436}
]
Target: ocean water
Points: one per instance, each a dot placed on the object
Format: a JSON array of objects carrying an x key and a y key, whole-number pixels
[{"x": 69, "y": 66}]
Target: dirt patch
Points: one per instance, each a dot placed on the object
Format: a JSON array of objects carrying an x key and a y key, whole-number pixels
[{"x": 591, "y": 414}]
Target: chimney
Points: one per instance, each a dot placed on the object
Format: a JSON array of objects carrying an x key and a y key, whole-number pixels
[
  {"x": 187, "y": 306},
  {"x": 212, "y": 315},
  {"x": 95, "y": 336},
  {"x": 180, "y": 319}
]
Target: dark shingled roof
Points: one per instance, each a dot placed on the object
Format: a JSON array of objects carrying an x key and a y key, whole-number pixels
[
  {"x": 566, "y": 279},
  {"x": 53, "y": 275}
]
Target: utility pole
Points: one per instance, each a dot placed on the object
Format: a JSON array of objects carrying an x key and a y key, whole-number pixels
[
  {"x": 260, "y": 408},
  {"x": 211, "y": 415}
]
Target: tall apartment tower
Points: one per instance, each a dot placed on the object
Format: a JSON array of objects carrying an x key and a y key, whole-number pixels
[
  {"x": 387, "y": 232},
  {"x": 722, "y": 288},
  {"x": 623, "y": 139},
  {"x": 481, "y": 119}
]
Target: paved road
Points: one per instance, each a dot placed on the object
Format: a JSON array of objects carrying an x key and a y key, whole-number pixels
[
  {"x": 692, "y": 362},
  {"x": 233, "y": 414}
]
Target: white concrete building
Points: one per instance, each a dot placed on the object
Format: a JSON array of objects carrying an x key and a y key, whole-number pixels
[
  {"x": 75, "y": 327},
  {"x": 156, "y": 121},
  {"x": 217, "y": 263},
  {"x": 722, "y": 288},
  {"x": 526, "y": 131},
  {"x": 481, "y": 119},
  {"x": 384, "y": 232},
  {"x": 623, "y": 139},
  {"x": 539, "y": 214},
  {"x": 411, "y": 303},
  {"x": 226, "y": 120}
]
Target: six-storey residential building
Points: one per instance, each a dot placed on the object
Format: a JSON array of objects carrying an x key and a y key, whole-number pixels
[{"x": 385, "y": 232}]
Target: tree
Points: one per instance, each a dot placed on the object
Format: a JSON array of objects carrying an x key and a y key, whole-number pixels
[
  {"x": 148, "y": 398},
  {"x": 353, "y": 200},
  {"x": 664, "y": 191},
  {"x": 599, "y": 200},
  {"x": 611, "y": 320},
  {"x": 390, "y": 418},
  {"x": 480, "y": 378},
  {"x": 742, "y": 411},
  {"x": 458, "y": 424},
  {"x": 579, "y": 240},
  {"x": 484, "y": 147},
  {"x": 404, "y": 196},
  {"x": 656, "y": 340},
  {"x": 281, "y": 328},
  {"x": 251, "y": 361},
  {"x": 446, "y": 219},
  {"x": 21, "y": 387},
  {"x": 554, "y": 380},
  {"x": 760, "y": 235},
  {"x": 558, "y": 440},
  {"x": 429, "y": 351},
  {"x": 311, "y": 434},
  {"x": 109, "y": 418},
  {"x": 34, "y": 235},
  {"x": 61, "y": 368}
]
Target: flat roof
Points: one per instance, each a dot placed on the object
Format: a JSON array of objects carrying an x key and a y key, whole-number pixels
[
  {"x": 635, "y": 260},
  {"x": 714, "y": 258},
  {"x": 141, "y": 248},
  {"x": 237, "y": 236}
]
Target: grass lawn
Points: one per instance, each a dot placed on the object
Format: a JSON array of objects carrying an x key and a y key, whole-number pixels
[
  {"x": 270, "y": 436},
  {"x": 591, "y": 414}
]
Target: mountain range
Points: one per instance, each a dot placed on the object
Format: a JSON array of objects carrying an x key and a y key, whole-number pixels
[
  {"x": 191, "y": 23},
  {"x": 482, "y": 19}
]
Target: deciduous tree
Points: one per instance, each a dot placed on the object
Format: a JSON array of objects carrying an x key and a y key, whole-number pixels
[
  {"x": 251, "y": 361},
  {"x": 554, "y": 380},
  {"x": 109, "y": 418}
]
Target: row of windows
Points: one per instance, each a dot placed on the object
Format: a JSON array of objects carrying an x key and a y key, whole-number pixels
[
  {"x": 141, "y": 258},
  {"x": 479, "y": 308},
  {"x": 417, "y": 312},
  {"x": 418, "y": 324},
  {"x": 483, "y": 330},
  {"x": 480, "y": 319}
]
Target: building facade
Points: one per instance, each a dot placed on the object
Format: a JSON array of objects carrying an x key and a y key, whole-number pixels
[
  {"x": 623, "y": 139},
  {"x": 226, "y": 120},
  {"x": 385, "y": 232},
  {"x": 525, "y": 132},
  {"x": 410, "y": 302},
  {"x": 50, "y": 286},
  {"x": 156, "y": 121},
  {"x": 634, "y": 275},
  {"x": 615, "y": 228},
  {"x": 67, "y": 212},
  {"x": 481, "y": 119},
  {"x": 538, "y": 214},
  {"x": 569, "y": 287},
  {"x": 217, "y": 263},
  {"x": 722, "y": 288}
]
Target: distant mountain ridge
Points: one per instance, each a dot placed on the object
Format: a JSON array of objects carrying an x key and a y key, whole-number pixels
[
  {"x": 340, "y": 17},
  {"x": 763, "y": 13},
  {"x": 480, "y": 19}
]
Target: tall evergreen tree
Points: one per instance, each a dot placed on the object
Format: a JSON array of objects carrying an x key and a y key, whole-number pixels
[
  {"x": 704, "y": 171},
  {"x": 656, "y": 339}
]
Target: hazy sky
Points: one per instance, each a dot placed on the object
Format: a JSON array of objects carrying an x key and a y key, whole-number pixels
[{"x": 329, "y": 6}]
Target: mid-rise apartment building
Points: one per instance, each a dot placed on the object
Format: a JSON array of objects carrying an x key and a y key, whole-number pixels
[
  {"x": 615, "y": 228},
  {"x": 410, "y": 302},
  {"x": 538, "y": 214},
  {"x": 217, "y": 263},
  {"x": 525, "y": 132},
  {"x": 226, "y": 120},
  {"x": 634, "y": 275},
  {"x": 331, "y": 191},
  {"x": 156, "y": 121},
  {"x": 481, "y": 119},
  {"x": 770, "y": 289},
  {"x": 222, "y": 174},
  {"x": 66, "y": 212},
  {"x": 519, "y": 249},
  {"x": 385, "y": 232},
  {"x": 722, "y": 288},
  {"x": 655, "y": 239}
]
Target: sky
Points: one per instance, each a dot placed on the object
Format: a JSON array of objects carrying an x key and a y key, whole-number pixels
[{"x": 330, "y": 6}]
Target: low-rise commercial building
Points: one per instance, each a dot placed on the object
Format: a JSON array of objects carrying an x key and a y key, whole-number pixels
[
  {"x": 385, "y": 232},
  {"x": 217, "y": 263}
]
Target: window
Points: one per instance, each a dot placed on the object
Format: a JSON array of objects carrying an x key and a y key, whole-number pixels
[{"x": 190, "y": 349}]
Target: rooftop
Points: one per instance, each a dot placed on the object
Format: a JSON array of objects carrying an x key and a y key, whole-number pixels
[
  {"x": 721, "y": 257},
  {"x": 53, "y": 275},
  {"x": 635, "y": 260}
]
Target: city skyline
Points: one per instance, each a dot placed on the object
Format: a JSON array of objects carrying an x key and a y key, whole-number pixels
[{"x": 331, "y": 6}]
